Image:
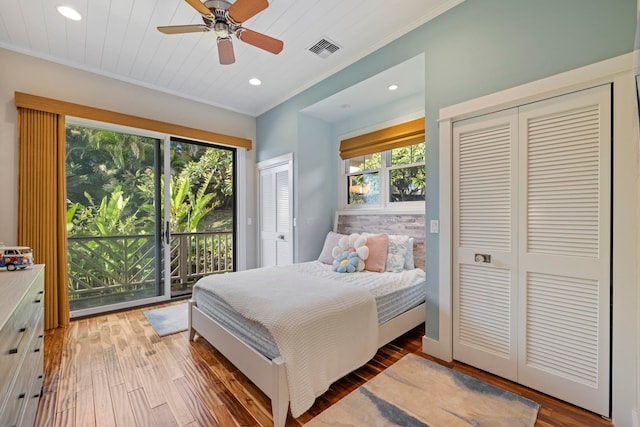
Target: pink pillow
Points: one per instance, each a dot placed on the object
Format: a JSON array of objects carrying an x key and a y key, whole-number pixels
[
  {"x": 330, "y": 242},
  {"x": 378, "y": 246}
]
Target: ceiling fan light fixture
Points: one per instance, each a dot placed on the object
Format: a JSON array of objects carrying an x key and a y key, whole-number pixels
[
  {"x": 221, "y": 29},
  {"x": 255, "y": 81},
  {"x": 69, "y": 13}
]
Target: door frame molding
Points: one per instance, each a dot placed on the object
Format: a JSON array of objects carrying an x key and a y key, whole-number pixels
[
  {"x": 285, "y": 159},
  {"x": 625, "y": 343}
]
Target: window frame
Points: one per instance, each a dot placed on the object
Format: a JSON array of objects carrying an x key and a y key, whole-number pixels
[{"x": 385, "y": 182}]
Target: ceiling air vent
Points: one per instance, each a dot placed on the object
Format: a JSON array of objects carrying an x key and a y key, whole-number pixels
[{"x": 324, "y": 48}]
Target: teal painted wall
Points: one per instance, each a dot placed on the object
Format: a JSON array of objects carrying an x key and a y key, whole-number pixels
[
  {"x": 477, "y": 48},
  {"x": 316, "y": 183}
]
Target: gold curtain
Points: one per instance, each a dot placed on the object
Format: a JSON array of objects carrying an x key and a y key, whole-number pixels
[
  {"x": 402, "y": 135},
  {"x": 42, "y": 204}
]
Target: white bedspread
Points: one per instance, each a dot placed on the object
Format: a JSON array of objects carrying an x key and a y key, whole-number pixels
[{"x": 324, "y": 329}]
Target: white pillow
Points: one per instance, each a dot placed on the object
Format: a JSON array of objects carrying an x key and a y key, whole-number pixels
[
  {"x": 409, "y": 263},
  {"x": 329, "y": 243},
  {"x": 399, "y": 253}
]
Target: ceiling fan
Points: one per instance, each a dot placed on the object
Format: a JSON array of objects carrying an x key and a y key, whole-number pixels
[{"x": 225, "y": 19}]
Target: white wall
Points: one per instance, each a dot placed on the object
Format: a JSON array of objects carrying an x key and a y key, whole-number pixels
[{"x": 22, "y": 73}]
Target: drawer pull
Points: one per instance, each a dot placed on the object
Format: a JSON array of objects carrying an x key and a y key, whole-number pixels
[
  {"x": 36, "y": 395},
  {"x": 36, "y": 350},
  {"x": 38, "y": 301},
  {"x": 40, "y": 377},
  {"x": 22, "y": 395},
  {"x": 14, "y": 350}
]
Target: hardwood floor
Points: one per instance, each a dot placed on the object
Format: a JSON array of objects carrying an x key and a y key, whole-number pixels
[{"x": 114, "y": 370}]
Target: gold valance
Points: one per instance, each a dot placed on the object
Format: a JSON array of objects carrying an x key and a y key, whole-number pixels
[
  {"x": 402, "y": 135},
  {"x": 63, "y": 108}
]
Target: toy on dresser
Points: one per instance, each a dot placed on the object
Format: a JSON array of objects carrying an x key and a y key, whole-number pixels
[{"x": 14, "y": 257}]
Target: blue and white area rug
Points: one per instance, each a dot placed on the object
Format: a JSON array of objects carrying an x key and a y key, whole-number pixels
[
  {"x": 417, "y": 392},
  {"x": 169, "y": 320}
]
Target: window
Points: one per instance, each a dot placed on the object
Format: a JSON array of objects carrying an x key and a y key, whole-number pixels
[
  {"x": 363, "y": 179},
  {"x": 385, "y": 168},
  {"x": 391, "y": 177},
  {"x": 406, "y": 174}
]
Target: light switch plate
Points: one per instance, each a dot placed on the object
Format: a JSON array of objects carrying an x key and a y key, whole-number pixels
[{"x": 435, "y": 226}]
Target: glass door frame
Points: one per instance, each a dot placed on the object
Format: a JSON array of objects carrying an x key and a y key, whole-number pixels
[{"x": 162, "y": 141}]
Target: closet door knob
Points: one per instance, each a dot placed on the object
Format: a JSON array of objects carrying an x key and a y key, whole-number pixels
[{"x": 483, "y": 258}]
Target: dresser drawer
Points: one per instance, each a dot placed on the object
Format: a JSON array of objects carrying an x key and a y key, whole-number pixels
[
  {"x": 26, "y": 389},
  {"x": 15, "y": 336},
  {"x": 30, "y": 408}
]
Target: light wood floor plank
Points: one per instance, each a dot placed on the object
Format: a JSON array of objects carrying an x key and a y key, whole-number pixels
[
  {"x": 161, "y": 416},
  {"x": 123, "y": 413},
  {"x": 140, "y": 408},
  {"x": 177, "y": 405},
  {"x": 201, "y": 413},
  {"x": 115, "y": 370},
  {"x": 112, "y": 366},
  {"x": 85, "y": 415},
  {"x": 102, "y": 402},
  {"x": 65, "y": 418}
]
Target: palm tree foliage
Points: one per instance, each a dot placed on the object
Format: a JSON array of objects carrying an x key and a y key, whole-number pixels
[{"x": 111, "y": 183}]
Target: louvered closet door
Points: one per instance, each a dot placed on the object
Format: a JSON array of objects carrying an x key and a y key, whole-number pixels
[
  {"x": 275, "y": 216},
  {"x": 564, "y": 249},
  {"x": 485, "y": 202}
]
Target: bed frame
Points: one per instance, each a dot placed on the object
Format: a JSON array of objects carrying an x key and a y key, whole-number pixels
[{"x": 270, "y": 375}]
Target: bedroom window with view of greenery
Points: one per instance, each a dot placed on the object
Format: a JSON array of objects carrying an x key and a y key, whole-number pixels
[
  {"x": 363, "y": 179},
  {"x": 387, "y": 178},
  {"x": 406, "y": 174}
]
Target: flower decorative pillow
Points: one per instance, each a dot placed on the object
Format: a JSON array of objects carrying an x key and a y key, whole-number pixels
[{"x": 350, "y": 254}]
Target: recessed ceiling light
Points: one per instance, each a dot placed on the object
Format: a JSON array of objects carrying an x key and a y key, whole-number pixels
[
  {"x": 393, "y": 87},
  {"x": 345, "y": 106},
  {"x": 255, "y": 82},
  {"x": 69, "y": 12}
]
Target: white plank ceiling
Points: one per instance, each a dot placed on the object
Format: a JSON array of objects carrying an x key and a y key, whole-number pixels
[{"x": 119, "y": 39}]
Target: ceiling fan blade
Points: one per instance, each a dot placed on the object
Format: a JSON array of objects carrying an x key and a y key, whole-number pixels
[
  {"x": 225, "y": 51},
  {"x": 179, "y": 29},
  {"x": 260, "y": 40},
  {"x": 242, "y": 10},
  {"x": 199, "y": 7}
]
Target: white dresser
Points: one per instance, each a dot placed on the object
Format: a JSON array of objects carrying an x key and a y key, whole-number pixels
[{"x": 21, "y": 344}]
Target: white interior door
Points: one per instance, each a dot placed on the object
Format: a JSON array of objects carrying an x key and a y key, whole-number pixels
[
  {"x": 564, "y": 249},
  {"x": 276, "y": 211},
  {"x": 485, "y": 236}
]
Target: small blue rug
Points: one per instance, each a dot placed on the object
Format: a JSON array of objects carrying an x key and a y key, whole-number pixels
[{"x": 169, "y": 320}]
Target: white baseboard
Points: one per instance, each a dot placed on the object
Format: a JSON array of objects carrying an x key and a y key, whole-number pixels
[
  {"x": 434, "y": 348},
  {"x": 635, "y": 418}
]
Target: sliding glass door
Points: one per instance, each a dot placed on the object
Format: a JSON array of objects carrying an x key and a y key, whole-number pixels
[
  {"x": 147, "y": 216},
  {"x": 113, "y": 218},
  {"x": 202, "y": 212}
]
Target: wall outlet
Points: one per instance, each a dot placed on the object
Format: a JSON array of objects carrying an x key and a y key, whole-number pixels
[{"x": 435, "y": 226}]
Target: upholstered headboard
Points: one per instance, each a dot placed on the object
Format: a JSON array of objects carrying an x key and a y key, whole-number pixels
[{"x": 347, "y": 222}]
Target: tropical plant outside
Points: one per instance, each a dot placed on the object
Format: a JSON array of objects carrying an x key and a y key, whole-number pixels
[
  {"x": 406, "y": 176},
  {"x": 112, "y": 204}
]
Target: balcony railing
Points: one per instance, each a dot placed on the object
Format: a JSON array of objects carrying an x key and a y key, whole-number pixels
[{"x": 106, "y": 270}]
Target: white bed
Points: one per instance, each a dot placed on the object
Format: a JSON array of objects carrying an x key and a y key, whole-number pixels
[{"x": 270, "y": 373}]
